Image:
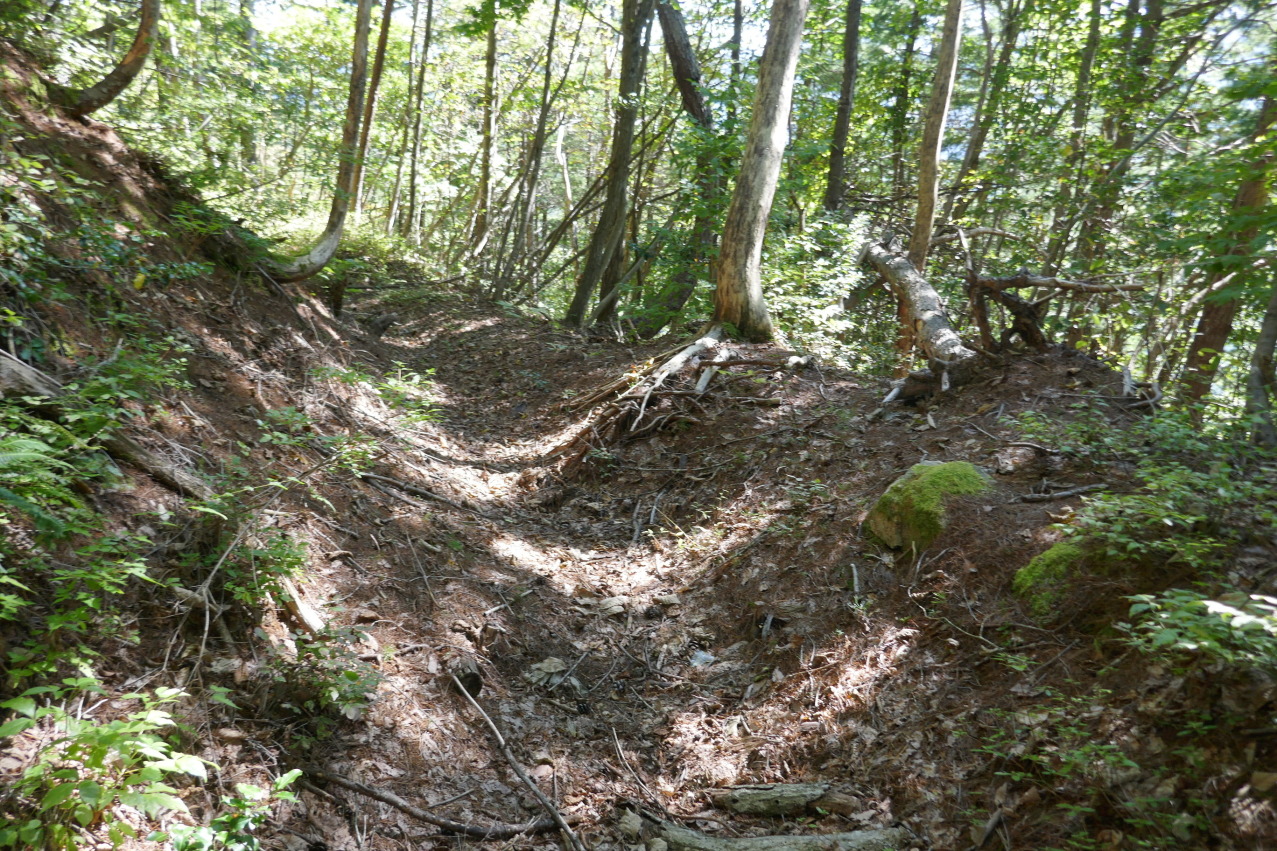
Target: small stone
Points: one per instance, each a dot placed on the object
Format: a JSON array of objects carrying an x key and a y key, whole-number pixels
[
  {"x": 229, "y": 734},
  {"x": 1263, "y": 781}
]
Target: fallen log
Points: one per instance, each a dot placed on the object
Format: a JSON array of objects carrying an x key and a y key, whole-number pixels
[
  {"x": 782, "y": 799},
  {"x": 885, "y": 839},
  {"x": 19, "y": 379}
]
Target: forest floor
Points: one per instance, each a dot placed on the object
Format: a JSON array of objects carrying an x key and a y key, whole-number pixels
[{"x": 650, "y": 620}]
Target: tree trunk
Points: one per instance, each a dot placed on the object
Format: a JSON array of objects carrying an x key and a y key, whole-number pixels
[
  {"x": 410, "y": 221},
  {"x": 987, "y": 113},
  {"x": 1216, "y": 321},
  {"x": 1261, "y": 382},
  {"x": 662, "y": 306},
  {"x": 611, "y": 225},
  {"x": 326, "y": 246},
  {"x": 836, "y": 181},
  {"x": 900, "y": 107},
  {"x": 85, "y": 101},
  {"x": 483, "y": 193},
  {"x": 370, "y": 104},
  {"x": 933, "y": 136},
  {"x": 738, "y": 298}
]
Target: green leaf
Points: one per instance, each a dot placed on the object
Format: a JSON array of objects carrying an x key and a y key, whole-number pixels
[
  {"x": 16, "y": 726},
  {"x": 91, "y": 793},
  {"x": 56, "y": 796}
]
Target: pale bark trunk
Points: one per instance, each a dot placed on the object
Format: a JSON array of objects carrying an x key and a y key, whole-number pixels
[
  {"x": 738, "y": 298},
  {"x": 836, "y": 180},
  {"x": 611, "y": 225},
  {"x": 326, "y": 246},
  {"x": 933, "y": 136},
  {"x": 85, "y": 101},
  {"x": 951, "y": 360}
]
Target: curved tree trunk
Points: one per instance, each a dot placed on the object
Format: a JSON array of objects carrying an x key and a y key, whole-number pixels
[
  {"x": 325, "y": 247},
  {"x": 738, "y": 298},
  {"x": 836, "y": 181},
  {"x": 85, "y": 101}
]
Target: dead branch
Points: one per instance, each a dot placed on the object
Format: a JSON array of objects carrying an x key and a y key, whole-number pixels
[
  {"x": 782, "y": 799},
  {"x": 545, "y": 802},
  {"x": 1024, "y": 279},
  {"x": 495, "y": 831},
  {"x": 373, "y": 478},
  {"x": 1047, "y": 497},
  {"x": 678, "y": 838}
]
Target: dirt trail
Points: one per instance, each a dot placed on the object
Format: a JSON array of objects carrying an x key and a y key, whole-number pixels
[{"x": 690, "y": 610}]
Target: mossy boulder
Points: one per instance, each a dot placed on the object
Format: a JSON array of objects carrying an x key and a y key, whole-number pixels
[
  {"x": 1043, "y": 580},
  {"x": 911, "y": 514}
]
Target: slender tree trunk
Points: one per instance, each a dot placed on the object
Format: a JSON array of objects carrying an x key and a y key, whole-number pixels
[
  {"x": 933, "y": 136},
  {"x": 1216, "y": 321},
  {"x": 1065, "y": 218},
  {"x": 1261, "y": 382},
  {"x": 836, "y": 180},
  {"x": 85, "y": 101},
  {"x": 738, "y": 298},
  {"x": 326, "y": 246},
  {"x": 410, "y": 221},
  {"x": 401, "y": 159},
  {"x": 483, "y": 193},
  {"x": 900, "y": 106},
  {"x": 662, "y": 306},
  {"x": 370, "y": 103},
  {"x": 733, "y": 88},
  {"x": 611, "y": 225},
  {"x": 987, "y": 114}
]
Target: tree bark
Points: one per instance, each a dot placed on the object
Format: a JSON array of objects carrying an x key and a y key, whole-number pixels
[
  {"x": 933, "y": 136},
  {"x": 900, "y": 105},
  {"x": 1261, "y": 382},
  {"x": 987, "y": 112},
  {"x": 836, "y": 180},
  {"x": 84, "y": 101},
  {"x": 326, "y": 246},
  {"x": 1216, "y": 321},
  {"x": 611, "y": 225},
  {"x": 410, "y": 221},
  {"x": 738, "y": 298}
]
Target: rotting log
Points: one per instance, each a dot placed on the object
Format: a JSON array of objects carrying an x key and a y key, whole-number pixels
[
  {"x": 884, "y": 839},
  {"x": 782, "y": 799},
  {"x": 19, "y": 379}
]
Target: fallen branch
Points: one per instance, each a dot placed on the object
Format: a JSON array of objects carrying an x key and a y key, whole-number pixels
[
  {"x": 1047, "y": 497},
  {"x": 782, "y": 799},
  {"x": 545, "y": 802},
  {"x": 1024, "y": 279},
  {"x": 421, "y": 492},
  {"x": 19, "y": 379},
  {"x": 495, "y": 831}
]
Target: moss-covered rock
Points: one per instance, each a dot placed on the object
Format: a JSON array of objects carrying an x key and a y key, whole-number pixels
[
  {"x": 1042, "y": 580},
  {"x": 911, "y": 514}
]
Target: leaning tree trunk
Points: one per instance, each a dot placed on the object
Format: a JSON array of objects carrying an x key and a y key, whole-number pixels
[
  {"x": 610, "y": 229},
  {"x": 85, "y": 101},
  {"x": 665, "y": 304},
  {"x": 326, "y": 246},
  {"x": 836, "y": 180},
  {"x": 1261, "y": 383},
  {"x": 738, "y": 298},
  {"x": 951, "y": 361},
  {"x": 933, "y": 136}
]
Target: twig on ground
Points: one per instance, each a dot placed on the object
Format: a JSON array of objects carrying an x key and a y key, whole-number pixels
[
  {"x": 495, "y": 831},
  {"x": 573, "y": 840}
]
